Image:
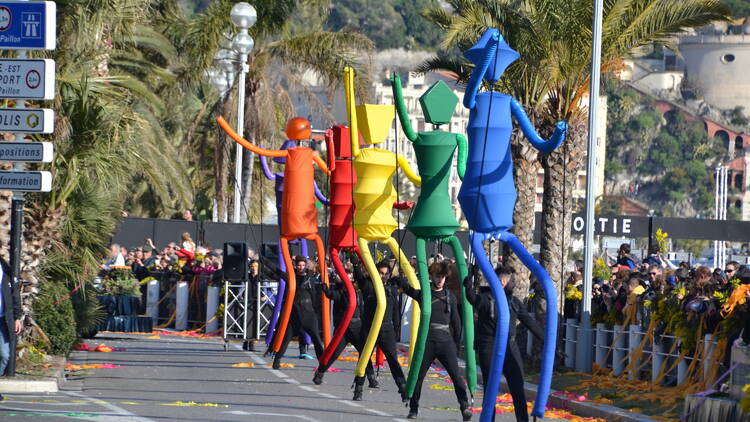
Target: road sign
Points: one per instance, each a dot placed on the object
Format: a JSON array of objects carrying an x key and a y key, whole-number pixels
[
  {"x": 28, "y": 152},
  {"x": 26, "y": 181},
  {"x": 32, "y": 79},
  {"x": 27, "y": 25},
  {"x": 27, "y": 120}
]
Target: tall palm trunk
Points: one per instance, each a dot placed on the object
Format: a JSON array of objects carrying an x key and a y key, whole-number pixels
[
  {"x": 221, "y": 174},
  {"x": 524, "y": 174},
  {"x": 560, "y": 172}
]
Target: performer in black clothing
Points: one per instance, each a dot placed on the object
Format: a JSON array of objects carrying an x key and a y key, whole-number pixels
[
  {"x": 303, "y": 316},
  {"x": 353, "y": 333},
  {"x": 484, "y": 306},
  {"x": 443, "y": 338},
  {"x": 387, "y": 337}
]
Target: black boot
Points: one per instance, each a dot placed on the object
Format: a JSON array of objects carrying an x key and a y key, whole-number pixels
[
  {"x": 372, "y": 382},
  {"x": 276, "y": 362},
  {"x": 358, "y": 384},
  {"x": 318, "y": 377},
  {"x": 466, "y": 414},
  {"x": 248, "y": 345},
  {"x": 412, "y": 414}
]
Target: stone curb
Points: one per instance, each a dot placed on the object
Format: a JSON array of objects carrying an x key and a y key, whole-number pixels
[
  {"x": 48, "y": 384},
  {"x": 585, "y": 409}
]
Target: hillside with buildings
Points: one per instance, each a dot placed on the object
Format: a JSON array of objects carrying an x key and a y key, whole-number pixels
[{"x": 674, "y": 118}]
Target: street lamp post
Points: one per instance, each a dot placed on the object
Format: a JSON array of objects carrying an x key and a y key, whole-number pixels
[{"x": 243, "y": 16}]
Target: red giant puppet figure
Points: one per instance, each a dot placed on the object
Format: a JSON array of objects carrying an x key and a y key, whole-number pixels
[
  {"x": 299, "y": 216},
  {"x": 341, "y": 234}
]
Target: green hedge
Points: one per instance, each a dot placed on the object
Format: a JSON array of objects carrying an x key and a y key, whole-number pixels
[{"x": 56, "y": 320}]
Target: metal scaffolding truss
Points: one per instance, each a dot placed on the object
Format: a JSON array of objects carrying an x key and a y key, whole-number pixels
[
  {"x": 235, "y": 311},
  {"x": 265, "y": 297}
]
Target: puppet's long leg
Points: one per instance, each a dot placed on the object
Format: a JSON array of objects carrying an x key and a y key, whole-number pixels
[
  {"x": 377, "y": 319},
  {"x": 343, "y": 324},
  {"x": 411, "y": 277},
  {"x": 417, "y": 346},
  {"x": 325, "y": 303},
  {"x": 278, "y": 338},
  {"x": 492, "y": 385},
  {"x": 550, "y": 330},
  {"x": 467, "y": 312},
  {"x": 276, "y": 311}
]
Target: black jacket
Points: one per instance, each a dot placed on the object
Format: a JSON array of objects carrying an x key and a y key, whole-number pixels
[
  {"x": 11, "y": 298},
  {"x": 484, "y": 305},
  {"x": 391, "y": 318},
  {"x": 444, "y": 312},
  {"x": 337, "y": 293}
]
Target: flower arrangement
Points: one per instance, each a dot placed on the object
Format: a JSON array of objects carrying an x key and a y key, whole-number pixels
[
  {"x": 661, "y": 240},
  {"x": 120, "y": 282},
  {"x": 573, "y": 293},
  {"x": 601, "y": 270},
  {"x": 745, "y": 402}
]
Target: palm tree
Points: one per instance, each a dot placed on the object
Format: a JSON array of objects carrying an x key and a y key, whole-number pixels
[
  {"x": 111, "y": 64},
  {"x": 289, "y": 41},
  {"x": 554, "y": 39}
]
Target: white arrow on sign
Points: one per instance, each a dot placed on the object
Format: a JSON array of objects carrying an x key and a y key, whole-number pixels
[
  {"x": 32, "y": 79},
  {"x": 27, "y": 152},
  {"x": 27, "y": 120},
  {"x": 26, "y": 181}
]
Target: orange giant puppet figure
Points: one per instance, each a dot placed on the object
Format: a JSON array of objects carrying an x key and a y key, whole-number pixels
[{"x": 299, "y": 215}]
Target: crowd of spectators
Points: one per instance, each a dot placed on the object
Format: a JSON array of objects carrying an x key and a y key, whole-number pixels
[{"x": 680, "y": 299}]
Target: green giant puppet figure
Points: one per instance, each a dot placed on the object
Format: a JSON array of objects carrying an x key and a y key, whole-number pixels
[{"x": 433, "y": 218}]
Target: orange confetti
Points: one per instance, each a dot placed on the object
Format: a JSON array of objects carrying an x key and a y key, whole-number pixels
[
  {"x": 103, "y": 348},
  {"x": 283, "y": 365},
  {"x": 244, "y": 365}
]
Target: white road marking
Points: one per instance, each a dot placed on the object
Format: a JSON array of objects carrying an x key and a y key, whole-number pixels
[
  {"x": 329, "y": 396},
  {"x": 278, "y": 373},
  {"x": 129, "y": 417},
  {"x": 379, "y": 413},
  {"x": 310, "y": 389},
  {"x": 285, "y": 415},
  {"x": 350, "y": 403},
  {"x": 292, "y": 381}
]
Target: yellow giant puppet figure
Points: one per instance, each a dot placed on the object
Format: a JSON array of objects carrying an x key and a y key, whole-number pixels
[{"x": 374, "y": 196}]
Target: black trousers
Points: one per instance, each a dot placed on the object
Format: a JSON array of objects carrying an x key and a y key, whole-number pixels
[
  {"x": 302, "y": 320},
  {"x": 352, "y": 335},
  {"x": 387, "y": 343},
  {"x": 512, "y": 370},
  {"x": 446, "y": 353}
]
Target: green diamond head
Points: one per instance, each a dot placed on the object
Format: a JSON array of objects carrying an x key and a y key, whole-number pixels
[{"x": 438, "y": 104}]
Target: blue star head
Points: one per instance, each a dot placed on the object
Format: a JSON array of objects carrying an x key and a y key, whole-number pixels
[{"x": 503, "y": 57}]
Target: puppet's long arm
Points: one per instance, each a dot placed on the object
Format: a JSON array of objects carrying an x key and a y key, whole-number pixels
[
  {"x": 351, "y": 110},
  {"x": 528, "y": 130},
  {"x": 408, "y": 171},
  {"x": 247, "y": 144}
]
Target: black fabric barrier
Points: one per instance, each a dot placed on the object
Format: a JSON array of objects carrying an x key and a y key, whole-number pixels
[
  {"x": 122, "y": 315},
  {"x": 133, "y": 231}
]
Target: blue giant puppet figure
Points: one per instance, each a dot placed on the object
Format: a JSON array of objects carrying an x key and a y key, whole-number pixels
[{"x": 488, "y": 196}]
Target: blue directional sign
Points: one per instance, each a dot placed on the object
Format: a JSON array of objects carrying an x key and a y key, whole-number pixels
[{"x": 27, "y": 25}]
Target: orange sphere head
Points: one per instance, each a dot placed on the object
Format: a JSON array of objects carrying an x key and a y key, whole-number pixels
[{"x": 298, "y": 129}]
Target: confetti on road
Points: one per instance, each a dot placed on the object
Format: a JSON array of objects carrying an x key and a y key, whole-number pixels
[
  {"x": 244, "y": 365},
  {"x": 193, "y": 404}
]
